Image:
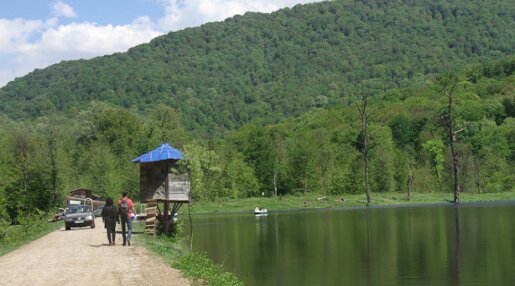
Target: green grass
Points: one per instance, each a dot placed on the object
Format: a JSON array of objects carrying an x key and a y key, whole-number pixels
[
  {"x": 195, "y": 266},
  {"x": 14, "y": 236}
]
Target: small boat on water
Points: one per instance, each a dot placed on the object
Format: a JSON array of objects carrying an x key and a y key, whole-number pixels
[{"x": 260, "y": 212}]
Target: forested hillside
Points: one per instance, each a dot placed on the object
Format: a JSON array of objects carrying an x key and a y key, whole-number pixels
[{"x": 263, "y": 68}]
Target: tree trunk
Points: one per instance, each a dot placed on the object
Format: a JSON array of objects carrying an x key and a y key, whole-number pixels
[
  {"x": 364, "y": 133},
  {"x": 410, "y": 182},
  {"x": 278, "y": 144},
  {"x": 452, "y": 139},
  {"x": 52, "y": 150},
  {"x": 438, "y": 179},
  {"x": 478, "y": 175},
  {"x": 166, "y": 203},
  {"x": 367, "y": 191},
  {"x": 23, "y": 157},
  {"x": 305, "y": 179},
  {"x": 275, "y": 179}
]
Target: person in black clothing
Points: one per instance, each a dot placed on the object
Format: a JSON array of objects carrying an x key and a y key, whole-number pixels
[{"x": 110, "y": 217}]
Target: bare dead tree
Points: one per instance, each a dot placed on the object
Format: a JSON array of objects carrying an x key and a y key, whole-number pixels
[
  {"x": 448, "y": 85},
  {"x": 364, "y": 114}
]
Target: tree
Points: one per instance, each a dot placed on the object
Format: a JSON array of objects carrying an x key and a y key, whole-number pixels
[
  {"x": 203, "y": 166},
  {"x": 166, "y": 126},
  {"x": 447, "y": 85},
  {"x": 237, "y": 178},
  {"x": 435, "y": 148},
  {"x": 51, "y": 136},
  {"x": 364, "y": 115},
  {"x": 279, "y": 155},
  {"x": 382, "y": 171}
]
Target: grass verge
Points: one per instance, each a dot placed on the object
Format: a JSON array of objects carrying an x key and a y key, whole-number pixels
[
  {"x": 31, "y": 228},
  {"x": 195, "y": 266}
]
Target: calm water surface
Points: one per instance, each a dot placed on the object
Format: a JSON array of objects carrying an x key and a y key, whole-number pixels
[{"x": 445, "y": 245}]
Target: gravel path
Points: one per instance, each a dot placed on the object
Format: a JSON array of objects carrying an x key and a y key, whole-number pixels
[{"x": 81, "y": 256}]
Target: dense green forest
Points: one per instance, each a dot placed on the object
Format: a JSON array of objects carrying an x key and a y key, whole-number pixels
[
  {"x": 262, "y": 68},
  {"x": 267, "y": 103}
]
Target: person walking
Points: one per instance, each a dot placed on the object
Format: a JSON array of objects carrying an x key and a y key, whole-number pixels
[
  {"x": 127, "y": 212},
  {"x": 110, "y": 217}
]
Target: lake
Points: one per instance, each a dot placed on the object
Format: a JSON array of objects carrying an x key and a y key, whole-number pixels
[{"x": 473, "y": 244}]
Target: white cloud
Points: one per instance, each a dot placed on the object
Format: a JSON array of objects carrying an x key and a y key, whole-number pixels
[
  {"x": 89, "y": 39},
  {"x": 15, "y": 34},
  {"x": 62, "y": 9},
  {"x": 55, "y": 43},
  {"x": 180, "y": 14}
]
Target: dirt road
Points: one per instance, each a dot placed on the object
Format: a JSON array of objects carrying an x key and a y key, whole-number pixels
[{"x": 81, "y": 256}]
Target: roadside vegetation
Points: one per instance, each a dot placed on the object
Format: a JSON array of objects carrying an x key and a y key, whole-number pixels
[{"x": 29, "y": 228}]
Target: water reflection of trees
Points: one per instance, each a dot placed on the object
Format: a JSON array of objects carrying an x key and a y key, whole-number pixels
[
  {"x": 457, "y": 246},
  {"x": 375, "y": 246}
]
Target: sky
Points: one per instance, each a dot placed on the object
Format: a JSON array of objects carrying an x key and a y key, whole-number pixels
[{"x": 38, "y": 33}]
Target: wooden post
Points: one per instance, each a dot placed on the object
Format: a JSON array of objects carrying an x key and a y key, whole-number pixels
[{"x": 167, "y": 197}]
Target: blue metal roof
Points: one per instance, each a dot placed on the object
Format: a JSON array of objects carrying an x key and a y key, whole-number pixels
[{"x": 161, "y": 153}]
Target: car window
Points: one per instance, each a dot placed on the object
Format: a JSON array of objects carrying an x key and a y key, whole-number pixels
[{"x": 78, "y": 209}]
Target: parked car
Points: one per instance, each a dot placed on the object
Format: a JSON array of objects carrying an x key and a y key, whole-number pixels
[
  {"x": 79, "y": 216},
  {"x": 98, "y": 210}
]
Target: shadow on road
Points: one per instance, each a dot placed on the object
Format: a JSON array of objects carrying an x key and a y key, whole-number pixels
[
  {"x": 78, "y": 228},
  {"x": 133, "y": 232},
  {"x": 99, "y": 245}
]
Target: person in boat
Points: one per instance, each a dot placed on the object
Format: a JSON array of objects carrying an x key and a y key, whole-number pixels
[{"x": 259, "y": 210}]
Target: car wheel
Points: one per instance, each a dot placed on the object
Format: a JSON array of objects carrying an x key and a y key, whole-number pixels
[
  {"x": 67, "y": 226},
  {"x": 93, "y": 225}
]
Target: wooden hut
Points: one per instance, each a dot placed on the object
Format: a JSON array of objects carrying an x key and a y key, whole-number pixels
[
  {"x": 160, "y": 182},
  {"x": 81, "y": 196}
]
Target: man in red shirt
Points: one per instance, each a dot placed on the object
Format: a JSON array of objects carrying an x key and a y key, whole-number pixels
[{"x": 127, "y": 212}]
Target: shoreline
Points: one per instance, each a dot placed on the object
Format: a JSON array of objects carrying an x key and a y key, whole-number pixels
[
  {"x": 181, "y": 257},
  {"x": 318, "y": 202},
  {"x": 416, "y": 205}
]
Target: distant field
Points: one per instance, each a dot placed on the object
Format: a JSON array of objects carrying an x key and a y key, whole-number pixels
[{"x": 324, "y": 201}]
